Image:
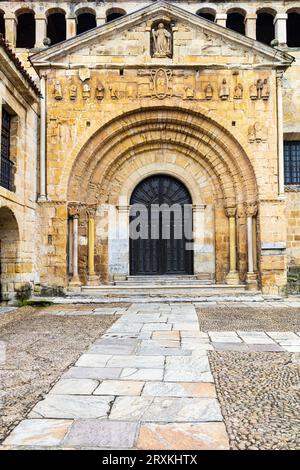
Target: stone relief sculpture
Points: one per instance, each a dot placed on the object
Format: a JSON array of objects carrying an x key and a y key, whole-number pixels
[
  {"x": 224, "y": 90},
  {"x": 253, "y": 92},
  {"x": 86, "y": 91},
  {"x": 161, "y": 41},
  {"x": 58, "y": 91},
  {"x": 189, "y": 92},
  {"x": 161, "y": 83},
  {"x": 99, "y": 91},
  {"x": 265, "y": 92},
  {"x": 257, "y": 133},
  {"x": 114, "y": 92},
  {"x": 73, "y": 92},
  {"x": 208, "y": 90},
  {"x": 238, "y": 92},
  {"x": 259, "y": 87}
]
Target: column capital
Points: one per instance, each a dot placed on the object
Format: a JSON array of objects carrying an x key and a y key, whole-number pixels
[
  {"x": 10, "y": 16},
  {"x": 91, "y": 211},
  {"x": 280, "y": 16},
  {"x": 251, "y": 209},
  {"x": 74, "y": 210},
  {"x": 230, "y": 211},
  {"x": 250, "y": 16}
]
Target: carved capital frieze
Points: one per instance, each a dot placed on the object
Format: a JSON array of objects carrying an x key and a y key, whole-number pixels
[
  {"x": 251, "y": 209},
  {"x": 230, "y": 211}
]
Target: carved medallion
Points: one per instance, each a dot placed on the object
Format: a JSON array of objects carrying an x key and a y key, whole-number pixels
[{"x": 161, "y": 83}]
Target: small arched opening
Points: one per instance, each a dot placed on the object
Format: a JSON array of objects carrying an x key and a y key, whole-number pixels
[
  {"x": 236, "y": 20},
  {"x": 293, "y": 28},
  {"x": 56, "y": 26},
  {"x": 25, "y": 29},
  {"x": 114, "y": 13},
  {"x": 207, "y": 13},
  {"x": 265, "y": 29},
  {"x": 2, "y": 24},
  {"x": 86, "y": 20}
]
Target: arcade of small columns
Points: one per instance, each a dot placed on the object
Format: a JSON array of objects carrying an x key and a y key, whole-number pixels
[
  {"x": 11, "y": 18},
  {"x": 232, "y": 277}
]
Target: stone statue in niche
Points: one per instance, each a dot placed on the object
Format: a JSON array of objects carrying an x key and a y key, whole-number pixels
[
  {"x": 58, "y": 91},
  {"x": 73, "y": 92},
  {"x": 257, "y": 133},
  {"x": 86, "y": 91},
  {"x": 99, "y": 91},
  {"x": 265, "y": 92},
  {"x": 161, "y": 41},
  {"x": 238, "y": 92},
  {"x": 253, "y": 92},
  {"x": 208, "y": 92},
  {"x": 224, "y": 90}
]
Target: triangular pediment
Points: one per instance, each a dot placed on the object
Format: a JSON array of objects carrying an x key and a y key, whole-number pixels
[{"x": 196, "y": 42}]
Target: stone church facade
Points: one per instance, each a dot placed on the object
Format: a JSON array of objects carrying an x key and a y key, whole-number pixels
[{"x": 163, "y": 101}]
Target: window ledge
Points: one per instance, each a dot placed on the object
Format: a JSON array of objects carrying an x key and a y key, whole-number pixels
[{"x": 292, "y": 188}]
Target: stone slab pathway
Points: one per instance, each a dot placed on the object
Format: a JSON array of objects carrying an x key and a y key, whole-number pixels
[{"x": 145, "y": 384}]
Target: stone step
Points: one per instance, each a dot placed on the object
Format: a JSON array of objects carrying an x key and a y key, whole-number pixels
[
  {"x": 185, "y": 280},
  {"x": 133, "y": 291}
]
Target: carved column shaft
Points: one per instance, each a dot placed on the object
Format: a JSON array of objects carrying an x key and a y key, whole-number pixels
[
  {"x": 43, "y": 129},
  {"x": 74, "y": 213},
  {"x": 92, "y": 277},
  {"x": 251, "y": 279},
  {"x": 233, "y": 276}
]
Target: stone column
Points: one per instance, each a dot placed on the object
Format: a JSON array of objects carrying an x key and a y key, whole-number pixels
[
  {"x": 118, "y": 242},
  {"x": 280, "y": 27},
  {"x": 74, "y": 214},
  {"x": 100, "y": 20},
  {"x": 251, "y": 278},
  {"x": 71, "y": 27},
  {"x": 10, "y": 28},
  {"x": 221, "y": 19},
  {"x": 232, "y": 277},
  {"x": 93, "y": 279},
  {"x": 40, "y": 30},
  {"x": 250, "y": 25},
  {"x": 43, "y": 130},
  {"x": 280, "y": 148}
]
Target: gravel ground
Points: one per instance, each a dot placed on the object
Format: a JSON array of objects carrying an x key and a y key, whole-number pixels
[
  {"x": 39, "y": 347},
  {"x": 260, "y": 398},
  {"x": 249, "y": 318}
]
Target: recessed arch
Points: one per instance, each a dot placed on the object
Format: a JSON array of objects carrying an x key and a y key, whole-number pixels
[
  {"x": 192, "y": 133},
  {"x": 9, "y": 251}
]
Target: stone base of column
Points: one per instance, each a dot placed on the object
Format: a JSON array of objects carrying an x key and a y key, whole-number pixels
[
  {"x": 93, "y": 280},
  {"x": 75, "y": 284},
  {"x": 233, "y": 278},
  {"x": 251, "y": 281}
]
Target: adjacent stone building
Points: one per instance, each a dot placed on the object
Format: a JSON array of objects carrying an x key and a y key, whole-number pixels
[
  {"x": 19, "y": 101},
  {"x": 164, "y": 104}
]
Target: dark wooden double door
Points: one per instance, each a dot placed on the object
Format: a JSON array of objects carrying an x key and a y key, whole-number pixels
[{"x": 160, "y": 238}]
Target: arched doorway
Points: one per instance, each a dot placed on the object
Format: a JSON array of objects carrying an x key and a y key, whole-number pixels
[
  {"x": 161, "y": 227},
  {"x": 9, "y": 240}
]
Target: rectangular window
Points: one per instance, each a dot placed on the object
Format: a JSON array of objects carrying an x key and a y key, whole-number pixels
[
  {"x": 6, "y": 165},
  {"x": 292, "y": 162}
]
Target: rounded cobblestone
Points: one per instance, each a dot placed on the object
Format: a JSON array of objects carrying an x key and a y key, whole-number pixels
[{"x": 260, "y": 398}]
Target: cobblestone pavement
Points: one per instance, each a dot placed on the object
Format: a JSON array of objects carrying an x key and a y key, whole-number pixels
[
  {"x": 35, "y": 349},
  {"x": 259, "y": 395},
  {"x": 155, "y": 380},
  {"x": 258, "y": 316}
]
